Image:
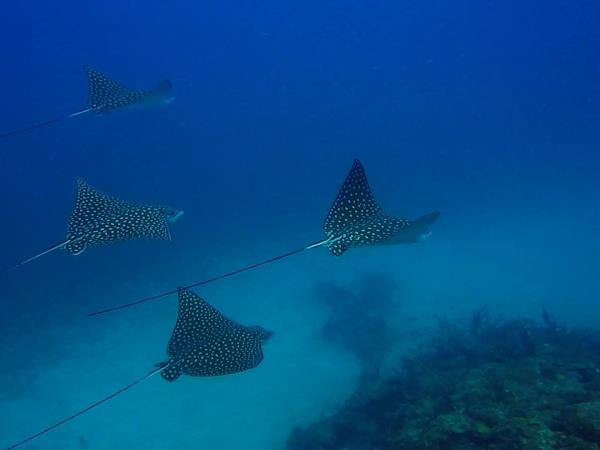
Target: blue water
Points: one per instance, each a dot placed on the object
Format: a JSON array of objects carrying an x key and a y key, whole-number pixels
[{"x": 485, "y": 111}]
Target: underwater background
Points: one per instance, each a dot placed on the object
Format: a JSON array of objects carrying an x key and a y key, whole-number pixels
[{"x": 486, "y": 111}]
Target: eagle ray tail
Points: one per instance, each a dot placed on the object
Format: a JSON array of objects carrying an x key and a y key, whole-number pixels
[
  {"x": 43, "y": 124},
  {"x": 33, "y": 258},
  {"x": 210, "y": 280},
  {"x": 88, "y": 408}
]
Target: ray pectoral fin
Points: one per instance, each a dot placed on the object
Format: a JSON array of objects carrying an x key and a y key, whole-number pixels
[
  {"x": 205, "y": 343},
  {"x": 102, "y": 89},
  {"x": 354, "y": 208}
]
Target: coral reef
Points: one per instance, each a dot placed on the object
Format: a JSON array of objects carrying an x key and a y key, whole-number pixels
[
  {"x": 370, "y": 337},
  {"x": 490, "y": 384}
]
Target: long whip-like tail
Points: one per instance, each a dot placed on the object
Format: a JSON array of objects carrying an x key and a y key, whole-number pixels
[
  {"x": 86, "y": 409},
  {"x": 45, "y": 252},
  {"x": 43, "y": 124},
  {"x": 210, "y": 280}
]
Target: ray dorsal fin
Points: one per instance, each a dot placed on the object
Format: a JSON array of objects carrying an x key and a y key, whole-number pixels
[
  {"x": 99, "y": 219},
  {"x": 102, "y": 88},
  {"x": 354, "y": 204},
  {"x": 206, "y": 343}
]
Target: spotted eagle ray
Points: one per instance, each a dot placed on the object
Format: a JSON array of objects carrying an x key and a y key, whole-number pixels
[
  {"x": 100, "y": 219},
  {"x": 204, "y": 343},
  {"x": 107, "y": 95},
  {"x": 354, "y": 220}
]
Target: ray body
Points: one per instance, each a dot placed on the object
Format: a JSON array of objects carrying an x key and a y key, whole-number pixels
[
  {"x": 355, "y": 219},
  {"x": 100, "y": 219},
  {"x": 107, "y": 95},
  {"x": 204, "y": 343}
]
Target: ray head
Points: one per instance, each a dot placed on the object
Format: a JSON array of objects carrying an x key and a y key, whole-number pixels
[
  {"x": 172, "y": 214},
  {"x": 164, "y": 92},
  {"x": 205, "y": 343},
  {"x": 100, "y": 219}
]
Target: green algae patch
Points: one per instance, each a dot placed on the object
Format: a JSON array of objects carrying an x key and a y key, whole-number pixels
[{"x": 489, "y": 384}]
